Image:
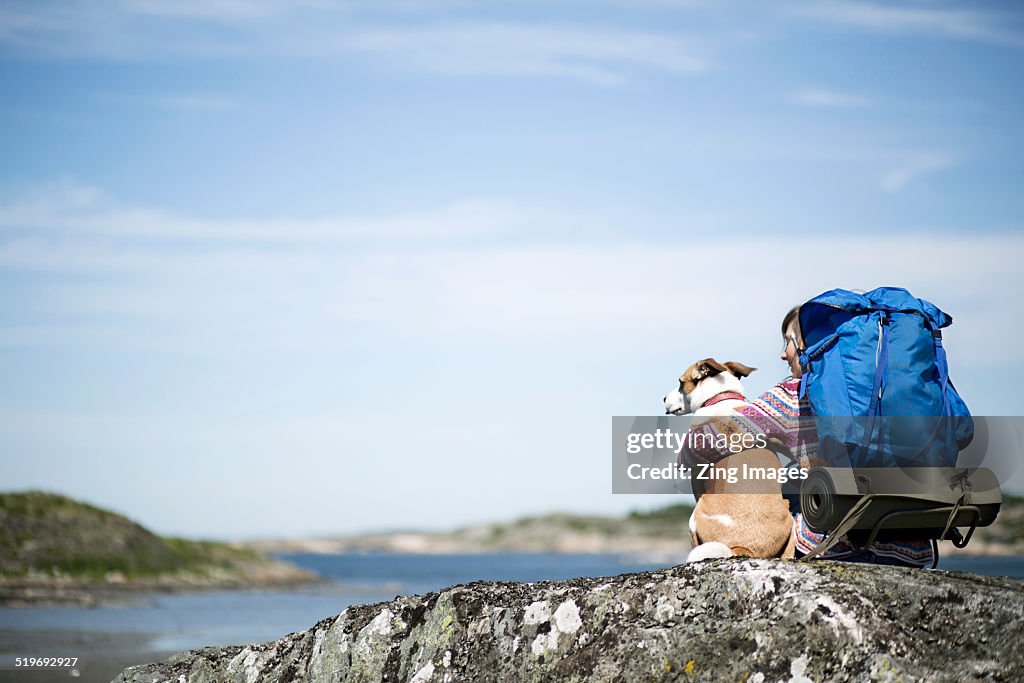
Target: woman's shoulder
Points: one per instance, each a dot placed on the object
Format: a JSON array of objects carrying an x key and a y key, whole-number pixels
[
  {"x": 788, "y": 388},
  {"x": 782, "y": 400},
  {"x": 791, "y": 385}
]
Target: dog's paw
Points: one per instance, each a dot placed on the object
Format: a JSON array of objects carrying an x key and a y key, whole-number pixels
[{"x": 709, "y": 551}]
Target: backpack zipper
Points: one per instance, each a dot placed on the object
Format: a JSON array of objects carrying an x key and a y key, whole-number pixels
[
  {"x": 824, "y": 347},
  {"x": 878, "y": 353}
]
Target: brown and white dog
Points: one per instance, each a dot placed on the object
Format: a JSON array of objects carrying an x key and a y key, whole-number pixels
[{"x": 746, "y": 517}]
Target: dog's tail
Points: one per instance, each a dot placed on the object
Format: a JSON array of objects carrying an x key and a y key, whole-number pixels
[{"x": 709, "y": 550}]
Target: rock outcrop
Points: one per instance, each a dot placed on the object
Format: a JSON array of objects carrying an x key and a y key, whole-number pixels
[
  {"x": 723, "y": 620},
  {"x": 55, "y": 550}
]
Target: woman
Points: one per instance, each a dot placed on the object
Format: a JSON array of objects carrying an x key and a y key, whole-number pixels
[{"x": 785, "y": 419}]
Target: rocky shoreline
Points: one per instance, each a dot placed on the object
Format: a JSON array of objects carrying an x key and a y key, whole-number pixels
[
  {"x": 737, "y": 619},
  {"x": 43, "y": 590}
]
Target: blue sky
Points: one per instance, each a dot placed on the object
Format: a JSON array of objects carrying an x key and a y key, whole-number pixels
[{"x": 310, "y": 267}]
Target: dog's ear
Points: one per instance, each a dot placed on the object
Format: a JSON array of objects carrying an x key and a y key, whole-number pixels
[
  {"x": 739, "y": 369},
  {"x": 709, "y": 367}
]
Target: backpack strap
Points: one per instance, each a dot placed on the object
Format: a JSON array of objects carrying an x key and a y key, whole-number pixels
[
  {"x": 940, "y": 363},
  {"x": 878, "y": 386},
  {"x": 844, "y": 526}
]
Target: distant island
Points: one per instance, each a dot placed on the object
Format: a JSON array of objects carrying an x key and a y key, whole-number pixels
[
  {"x": 55, "y": 550},
  {"x": 656, "y": 533},
  {"x": 660, "y": 533}
]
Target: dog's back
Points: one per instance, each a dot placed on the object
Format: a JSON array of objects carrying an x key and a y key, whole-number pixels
[{"x": 748, "y": 516}]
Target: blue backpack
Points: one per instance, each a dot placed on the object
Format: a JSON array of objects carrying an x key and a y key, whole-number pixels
[{"x": 875, "y": 372}]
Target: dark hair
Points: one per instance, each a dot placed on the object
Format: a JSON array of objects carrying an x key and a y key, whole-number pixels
[{"x": 792, "y": 317}]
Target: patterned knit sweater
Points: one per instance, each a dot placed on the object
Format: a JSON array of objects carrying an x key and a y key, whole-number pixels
[{"x": 780, "y": 415}]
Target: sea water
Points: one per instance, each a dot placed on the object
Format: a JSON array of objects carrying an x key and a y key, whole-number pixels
[{"x": 184, "y": 621}]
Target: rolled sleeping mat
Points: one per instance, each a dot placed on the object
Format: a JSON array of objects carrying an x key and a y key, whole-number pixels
[{"x": 918, "y": 494}]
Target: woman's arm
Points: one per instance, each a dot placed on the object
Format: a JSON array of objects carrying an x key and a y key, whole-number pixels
[{"x": 778, "y": 414}]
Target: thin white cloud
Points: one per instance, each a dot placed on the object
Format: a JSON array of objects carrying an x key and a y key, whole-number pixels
[
  {"x": 937, "y": 20},
  {"x": 72, "y": 210},
  {"x": 145, "y": 29},
  {"x": 912, "y": 168},
  {"x": 821, "y": 97},
  {"x": 183, "y": 102},
  {"x": 315, "y": 284},
  {"x": 227, "y": 10},
  {"x": 193, "y": 102},
  {"x": 597, "y": 55},
  {"x": 620, "y": 291}
]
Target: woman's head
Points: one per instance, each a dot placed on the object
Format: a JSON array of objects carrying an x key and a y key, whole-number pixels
[{"x": 793, "y": 340}]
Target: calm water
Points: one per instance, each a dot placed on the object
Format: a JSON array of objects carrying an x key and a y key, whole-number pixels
[{"x": 178, "y": 622}]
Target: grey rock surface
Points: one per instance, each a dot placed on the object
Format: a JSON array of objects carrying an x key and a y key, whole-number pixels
[{"x": 723, "y": 620}]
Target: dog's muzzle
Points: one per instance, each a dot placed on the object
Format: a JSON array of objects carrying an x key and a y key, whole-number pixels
[{"x": 675, "y": 403}]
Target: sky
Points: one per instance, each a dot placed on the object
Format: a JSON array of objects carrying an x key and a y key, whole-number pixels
[{"x": 304, "y": 268}]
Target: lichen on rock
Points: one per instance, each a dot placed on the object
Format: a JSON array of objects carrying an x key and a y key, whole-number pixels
[{"x": 736, "y": 619}]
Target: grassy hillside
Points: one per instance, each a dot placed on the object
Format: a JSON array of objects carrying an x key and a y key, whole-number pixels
[{"x": 44, "y": 534}]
